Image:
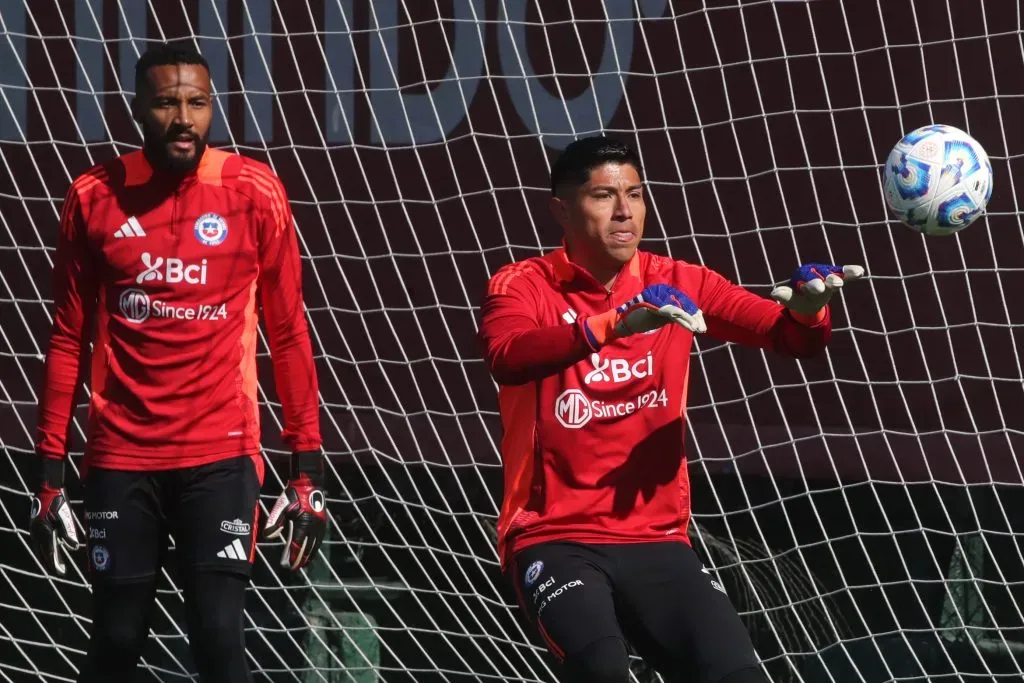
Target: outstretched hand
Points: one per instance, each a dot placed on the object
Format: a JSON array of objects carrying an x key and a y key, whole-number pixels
[
  {"x": 812, "y": 286},
  {"x": 657, "y": 305}
]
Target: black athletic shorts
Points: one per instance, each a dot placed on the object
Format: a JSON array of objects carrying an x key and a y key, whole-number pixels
[
  {"x": 658, "y": 597},
  {"x": 210, "y": 510}
]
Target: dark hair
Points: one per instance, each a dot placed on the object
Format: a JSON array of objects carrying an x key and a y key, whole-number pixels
[
  {"x": 573, "y": 166},
  {"x": 166, "y": 54}
]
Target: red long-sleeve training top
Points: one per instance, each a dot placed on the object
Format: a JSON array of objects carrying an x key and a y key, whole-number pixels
[
  {"x": 593, "y": 440},
  {"x": 169, "y": 270}
]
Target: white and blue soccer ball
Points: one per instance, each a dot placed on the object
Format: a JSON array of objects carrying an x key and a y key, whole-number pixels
[{"x": 937, "y": 180}]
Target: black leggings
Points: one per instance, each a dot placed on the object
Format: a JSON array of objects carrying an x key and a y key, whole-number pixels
[
  {"x": 589, "y": 601},
  {"x": 123, "y": 611}
]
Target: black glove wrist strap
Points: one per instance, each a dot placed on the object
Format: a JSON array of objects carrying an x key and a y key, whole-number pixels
[
  {"x": 310, "y": 463},
  {"x": 50, "y": 472}
]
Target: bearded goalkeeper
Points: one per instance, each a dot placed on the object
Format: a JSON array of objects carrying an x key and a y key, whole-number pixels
[
  {"x": 590, "y": 347},
  {"x": 168, "y": 253}
]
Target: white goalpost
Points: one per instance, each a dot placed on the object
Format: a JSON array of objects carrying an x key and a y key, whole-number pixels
[{"x": 861, "y": 508}]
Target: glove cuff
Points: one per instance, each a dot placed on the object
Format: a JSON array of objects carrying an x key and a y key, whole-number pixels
[
  {"x": 310, "y": 463},
  {"x": 809, "y": 319},
  {"x": 49, "y": 472},
  {"x": 600, "y": 329}
]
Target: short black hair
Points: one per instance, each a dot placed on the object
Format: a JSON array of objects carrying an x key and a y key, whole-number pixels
[
  {"x": 573, "y": 166},
  {"x": 166, "y": 54}
]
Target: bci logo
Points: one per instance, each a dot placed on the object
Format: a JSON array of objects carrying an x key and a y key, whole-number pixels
[{"x": 617, "y": 370}]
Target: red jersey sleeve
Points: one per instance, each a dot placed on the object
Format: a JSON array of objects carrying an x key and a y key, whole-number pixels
[
  {"x": 280, "y": 287},
  {"x": 737, "y": 315},
  {"x": 517, "y": 348},
  {"x": 74, "y": 292}
]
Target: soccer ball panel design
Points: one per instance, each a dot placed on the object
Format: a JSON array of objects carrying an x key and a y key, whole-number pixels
[{"x": 937, "y": 180}]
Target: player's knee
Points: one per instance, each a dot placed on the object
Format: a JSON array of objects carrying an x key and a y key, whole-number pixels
[
  {"x": 603, "y": 661},
  {"x": 119, "y": 640},
  {"x": 745, "y": 676},
  {"x": 217, "y": 631}
]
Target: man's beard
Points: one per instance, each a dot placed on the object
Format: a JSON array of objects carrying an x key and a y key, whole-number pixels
[{"x": 156, "y": 152}]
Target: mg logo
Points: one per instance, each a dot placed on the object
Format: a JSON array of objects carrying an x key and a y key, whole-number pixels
[
  {"x": 134, "y": 305},
  {"x": 572, "y": 409},
  {"x": 172, "y": 270}
]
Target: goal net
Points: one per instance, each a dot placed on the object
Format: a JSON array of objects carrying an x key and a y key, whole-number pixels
[{"x": 861, "y": 508}]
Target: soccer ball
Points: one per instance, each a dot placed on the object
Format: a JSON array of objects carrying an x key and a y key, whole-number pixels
[{"x": 937, "y": 180}]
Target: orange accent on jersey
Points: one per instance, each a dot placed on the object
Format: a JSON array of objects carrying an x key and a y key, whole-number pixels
[
  {"x": 269, "y": 187},
  {"x": 634, "y": 264},
  {"x": 211, "y": 166},
  {"x": 559, "y": 259},
  {"x": 518, "y": 407},
  {"x": 86, "y": 182},
  {"x": 809, "y": 319},
  {"x": 247, "y": 365},
  {"x": 137, "y": 170},
  {"x": 501, "y": 282}
]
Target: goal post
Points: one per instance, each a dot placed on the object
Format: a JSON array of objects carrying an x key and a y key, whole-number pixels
[{"x": 861, "y": 508}]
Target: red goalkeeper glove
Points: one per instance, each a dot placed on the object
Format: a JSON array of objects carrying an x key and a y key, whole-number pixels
[
  {"x": 299, "y": 514},
  {"x": 51, "y": 523}
]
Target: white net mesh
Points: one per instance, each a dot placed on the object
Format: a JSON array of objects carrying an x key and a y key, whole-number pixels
[{"x": 870, "y": 536}]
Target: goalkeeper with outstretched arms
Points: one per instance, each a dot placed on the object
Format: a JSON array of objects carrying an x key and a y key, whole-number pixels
[
  {"x": 590, "y": 347},
  {"x": 168, "y": 253}
]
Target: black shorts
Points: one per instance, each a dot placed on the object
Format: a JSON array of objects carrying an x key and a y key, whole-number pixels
[
  {"x": 658, "y": 597},
  {"x": 210, "y": 510}
]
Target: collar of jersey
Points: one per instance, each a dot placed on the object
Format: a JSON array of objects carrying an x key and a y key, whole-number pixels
[{"x": 568, "y": 272}]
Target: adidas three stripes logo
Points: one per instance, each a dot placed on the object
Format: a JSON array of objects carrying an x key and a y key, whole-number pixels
[
  {"x": 130, "y": 228},
  {"x": 235, "y": 551}
]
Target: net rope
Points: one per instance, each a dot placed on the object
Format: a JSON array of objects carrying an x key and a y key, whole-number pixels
[{"x": 855, "y": 506}]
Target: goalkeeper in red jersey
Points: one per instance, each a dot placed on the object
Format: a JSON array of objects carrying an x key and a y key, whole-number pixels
[
  {"x": 590, "y": 347},
  {"x": 168, "y": 253}
]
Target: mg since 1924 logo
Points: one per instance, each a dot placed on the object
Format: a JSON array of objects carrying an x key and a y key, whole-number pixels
[{"x": 574, "y": 409}]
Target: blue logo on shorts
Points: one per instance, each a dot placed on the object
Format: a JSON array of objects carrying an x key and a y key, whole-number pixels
[
  {"x": 211, "y": 229},
  {"x": 533, "y": 573},
  {"x": 100, "y": 558}
]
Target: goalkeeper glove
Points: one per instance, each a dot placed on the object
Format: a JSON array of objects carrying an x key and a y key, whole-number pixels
[
  {"x": 657, "y": 305},
  {"x": 812, "y": 285},
  {"x": 299, "y": 514},
  {"x": 51, "y": 523}
]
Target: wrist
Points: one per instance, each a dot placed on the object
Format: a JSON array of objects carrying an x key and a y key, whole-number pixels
[
  {"x": 309, "y": 463},
  {"x": 809, "y": 319},
  {"x": 49, "y": 472},
  {"x": 600, "y": 329}
]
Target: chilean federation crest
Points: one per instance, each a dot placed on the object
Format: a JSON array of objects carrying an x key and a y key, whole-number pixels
[{"x": 211, "y": 229}]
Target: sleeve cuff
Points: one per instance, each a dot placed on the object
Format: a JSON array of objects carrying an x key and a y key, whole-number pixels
[{"x": 809, "y": 320}]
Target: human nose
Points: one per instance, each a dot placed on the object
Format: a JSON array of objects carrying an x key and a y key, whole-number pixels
[
  {"x": 623, "y": 210},
  {"x": 183, "y": 116}
]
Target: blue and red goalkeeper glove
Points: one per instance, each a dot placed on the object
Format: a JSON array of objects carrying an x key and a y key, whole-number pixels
[
  {"x": 812, "y": 285},
  {"x": 299, "y": 514},
  {"x": 51, "y": 523},
  {"x": 657, "y": 305}
]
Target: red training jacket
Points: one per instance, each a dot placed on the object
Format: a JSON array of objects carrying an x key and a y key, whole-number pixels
[
  {"x": 169, "y": 269},
  {"x": 593, "y": 440}
]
